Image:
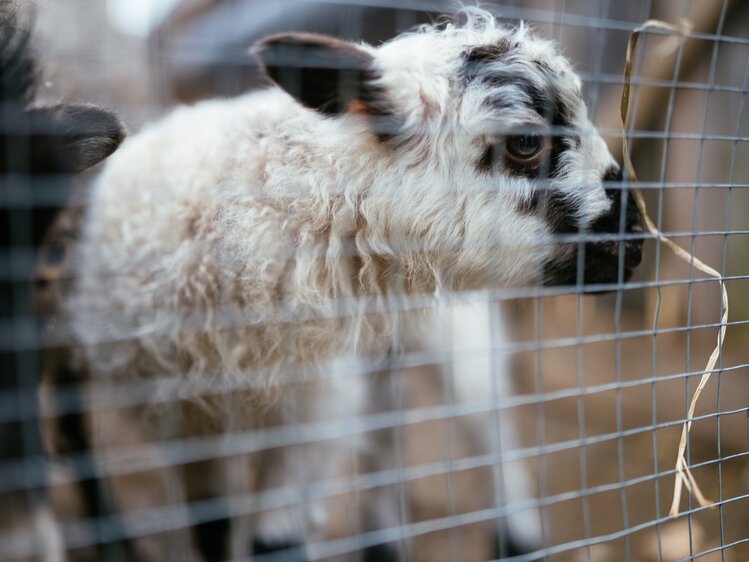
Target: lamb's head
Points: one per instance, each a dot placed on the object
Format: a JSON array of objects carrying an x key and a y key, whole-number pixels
[{"x": 488, "y": 169}]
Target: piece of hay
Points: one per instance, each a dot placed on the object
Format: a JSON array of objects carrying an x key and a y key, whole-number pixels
[{"x": 684, "y": 477}]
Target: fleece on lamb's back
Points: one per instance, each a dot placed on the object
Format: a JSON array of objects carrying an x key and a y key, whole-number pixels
[
  {"x": 240, "y": 241},
  {"x": 240, "y": 206}
]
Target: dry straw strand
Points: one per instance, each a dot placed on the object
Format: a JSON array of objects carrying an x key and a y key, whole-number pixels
[{"x": 684, "y": 477}]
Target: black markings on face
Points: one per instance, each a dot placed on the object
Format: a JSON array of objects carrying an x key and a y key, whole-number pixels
[
  {"x": 510, "y": 79},
  {"x": 521, "y": 170},
  {"x": 477, "y": 56},
  {"x": 607, "y": 260},
  {"x": 480, "y": 64},
  {"x": 561, "y": 214},
  {"x": 530, "y": 206},
  {"x": 486, "y": 162},
  {"x": 550, "y": 105},
  {"x": 560, "y": 143}
]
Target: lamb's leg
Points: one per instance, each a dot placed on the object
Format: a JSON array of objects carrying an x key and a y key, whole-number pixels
[
  {"x": 285, "y": 475},
  {"x": 524, "y": 527},
  {"x": 220, "y": 490},
  {"x": 382, "y": 508},
  {"x": 282, "y": 531},
  {"x": 481, "y": 374},
  {"x": 72, "y": 437},
  {"x": 290, "y": 478},
  {"x": 211, "y": 536}
]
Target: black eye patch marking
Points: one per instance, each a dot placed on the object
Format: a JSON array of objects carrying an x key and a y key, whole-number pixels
[
  {"x": 560, "y": 213},
  {"x": 548, "y": 167},
  {"x": 541, "y": 95},
  {"x": 521, "y": 170},
  {"x": 530, "y": 206},
  {"x": 486, "y": 162},
  {"x": 560, "y": 143}
]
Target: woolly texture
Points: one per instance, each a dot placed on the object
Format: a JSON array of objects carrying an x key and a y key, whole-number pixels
[{"x": 245, "y": 243}]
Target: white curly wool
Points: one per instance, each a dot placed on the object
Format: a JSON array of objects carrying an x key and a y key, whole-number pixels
[{"x": 261, "y": 248}]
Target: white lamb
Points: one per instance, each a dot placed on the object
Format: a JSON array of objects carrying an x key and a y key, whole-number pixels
[{"x": 269, "y": 250}]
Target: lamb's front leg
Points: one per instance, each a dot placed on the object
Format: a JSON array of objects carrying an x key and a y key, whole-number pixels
[
  {"x": 291, "y": 479},
  {"x": 481, "y": 373},
  {"x": 230, "y": 533},
  {"x": 383, "y": 507},
  {"x": 293, "y": 515}
]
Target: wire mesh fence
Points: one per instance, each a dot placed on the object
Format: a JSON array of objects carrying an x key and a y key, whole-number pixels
[{"x": 196, "y": 366}]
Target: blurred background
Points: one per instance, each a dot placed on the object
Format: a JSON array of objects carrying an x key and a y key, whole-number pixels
[{"x": 608, "y": 378}]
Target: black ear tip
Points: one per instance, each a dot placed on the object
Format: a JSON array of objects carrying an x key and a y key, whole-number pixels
[
  {"x": 93, "y": 120},
  {"x": 282, "y": 49},
  {"x": 93, "y": 132},
  {"x": 259, "y": 47},
  {"x": 99, "y": 132},
  {"x": 321, "y": 72},
  {"x": 272, "y": 43},
  {"x": 114, "y": 127},
  {"x": 302, "y": 39},
  {"x": 272, "y": 50},
  {"x": 90, "y": 151}
]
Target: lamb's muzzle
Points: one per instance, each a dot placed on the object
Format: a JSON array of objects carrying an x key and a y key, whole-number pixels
[{"x": 611, "y": 260}]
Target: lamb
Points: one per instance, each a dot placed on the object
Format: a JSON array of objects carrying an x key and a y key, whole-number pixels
[{"x": 255, "y": 258}]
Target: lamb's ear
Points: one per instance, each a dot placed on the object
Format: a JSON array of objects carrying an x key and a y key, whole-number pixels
[
  {"x": 324, "y": 73},
  {"x": 85, "y": 134}
]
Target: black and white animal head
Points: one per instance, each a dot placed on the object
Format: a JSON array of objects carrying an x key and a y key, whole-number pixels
[{"x": 493, "y": 166}]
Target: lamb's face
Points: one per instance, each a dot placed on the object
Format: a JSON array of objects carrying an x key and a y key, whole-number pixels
[
  {"x": 492, "y": 119},
  {"x": 497, "y": 110}
]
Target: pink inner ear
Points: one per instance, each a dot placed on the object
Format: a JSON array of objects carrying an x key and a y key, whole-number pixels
[{"x": 357, "y": 107}]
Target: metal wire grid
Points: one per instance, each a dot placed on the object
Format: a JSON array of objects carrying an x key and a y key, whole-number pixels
[{"x": 164, "y": 518}]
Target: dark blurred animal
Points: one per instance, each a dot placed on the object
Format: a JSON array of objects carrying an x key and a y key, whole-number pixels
[{"x": 40, "y": 147}]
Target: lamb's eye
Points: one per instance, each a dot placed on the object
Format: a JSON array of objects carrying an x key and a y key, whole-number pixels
[{"x": 525, "y": 147}]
